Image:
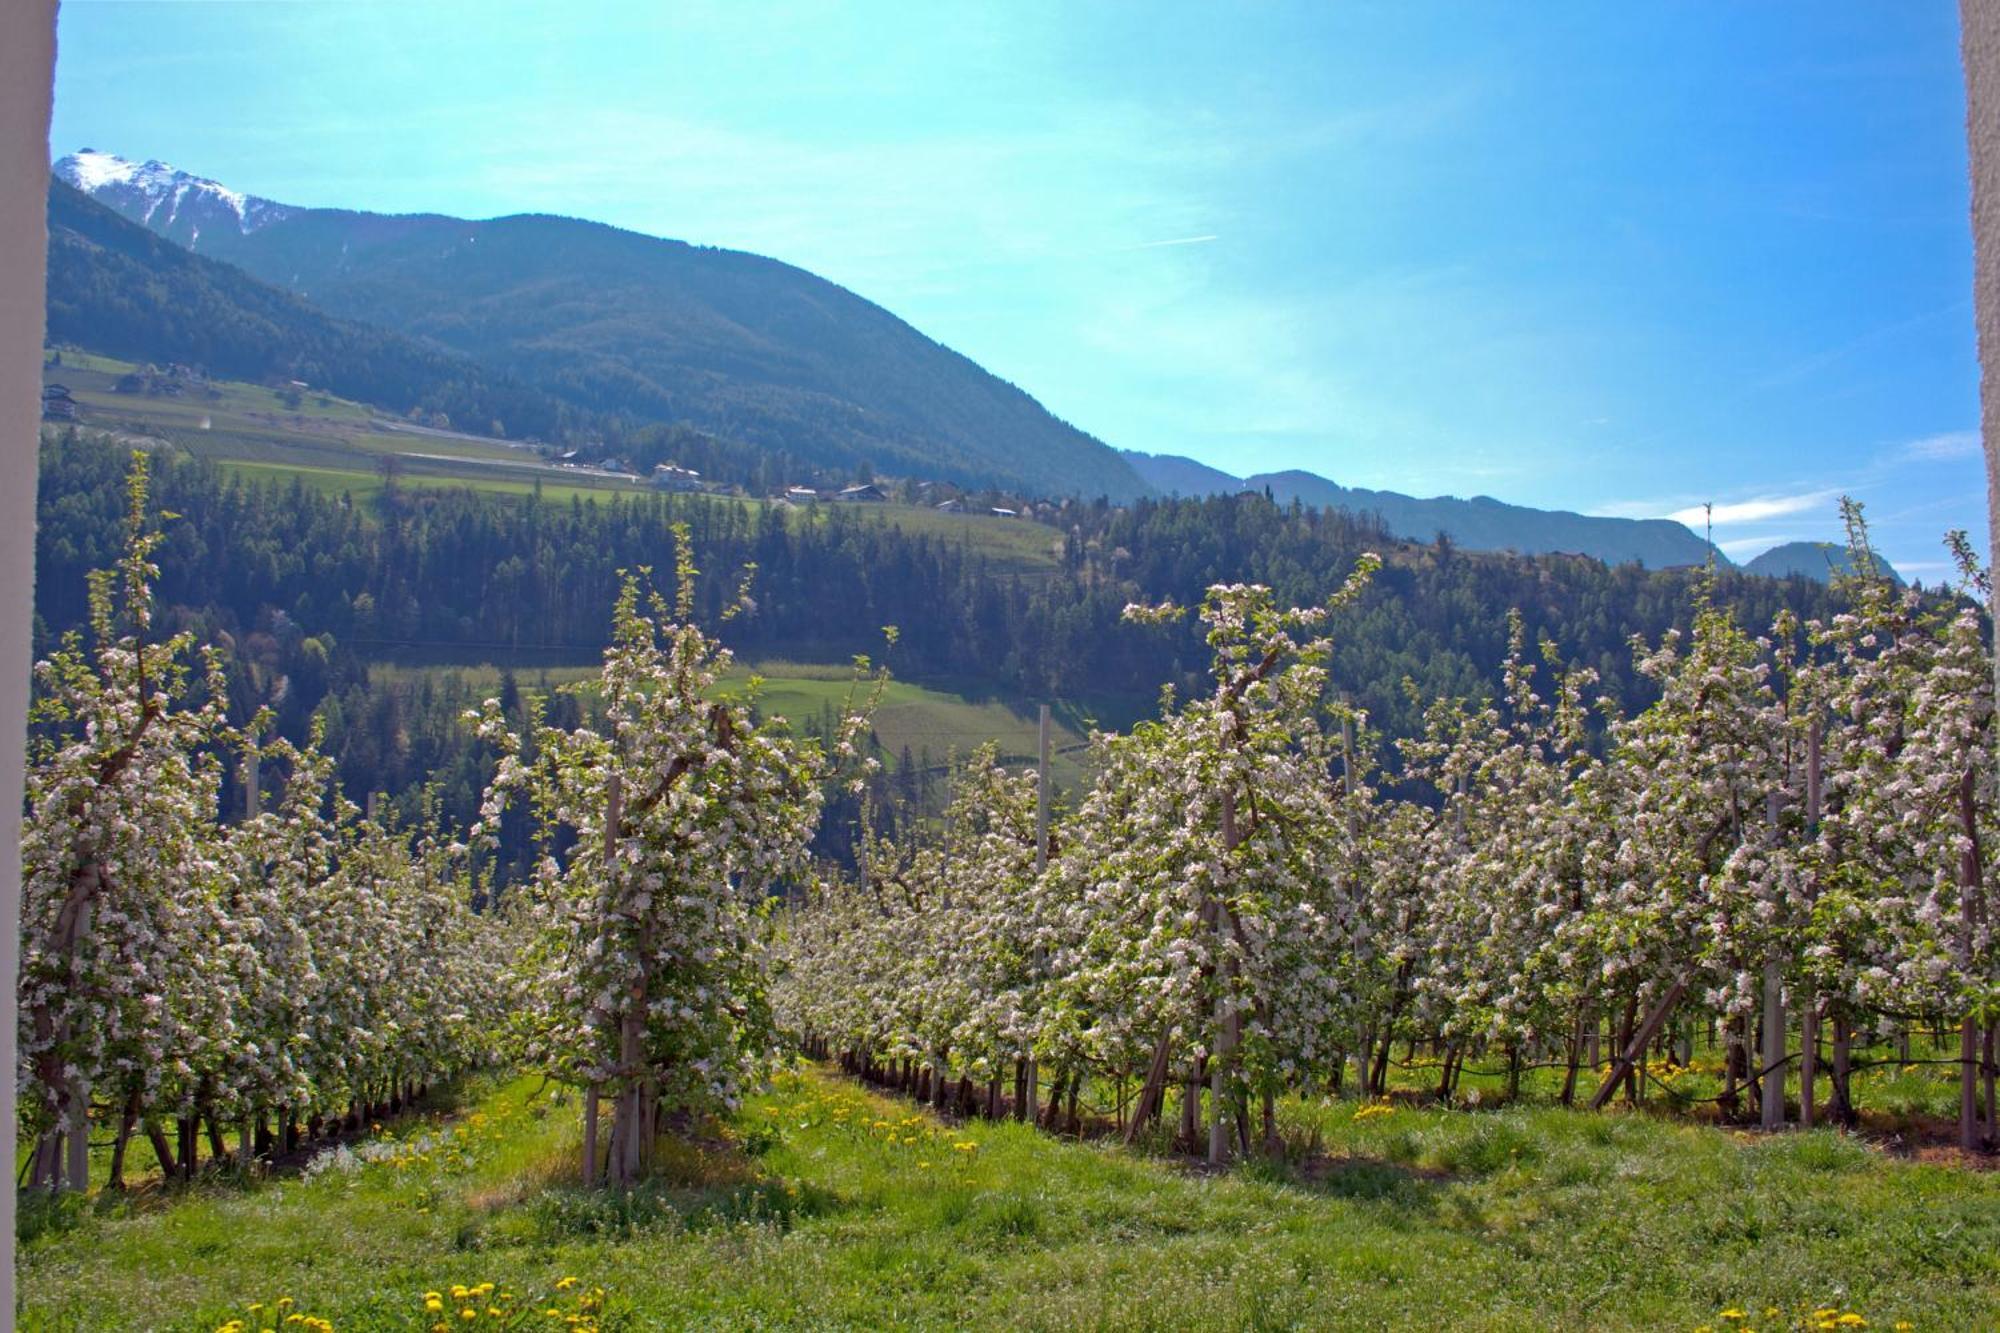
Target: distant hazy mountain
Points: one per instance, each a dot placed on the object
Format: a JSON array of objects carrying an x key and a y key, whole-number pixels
[
  {"x": 1818, "y": 561},
  {"x": 1170, "y": 474},
  {"x": 1479, "y": 524},
  {"x": 615, "y": 321}
]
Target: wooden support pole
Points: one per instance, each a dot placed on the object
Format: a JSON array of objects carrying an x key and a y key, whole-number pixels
[
  {"x": 1808, "y": 1001},
  {"x": 1629, "y": 1058},
  {"x": 1032, "y": 1092},
  {"x": 1222, "y": 1062},
  {"x": 1773, "y": 1107}
]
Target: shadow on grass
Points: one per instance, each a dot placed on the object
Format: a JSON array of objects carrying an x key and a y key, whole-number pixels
[
  {"x": 698, "y": 1185},
  {"x": 653, "y": 1206},
  {"x": 1363, "y": 1179},
  {"x": 40, "y": 1215}
]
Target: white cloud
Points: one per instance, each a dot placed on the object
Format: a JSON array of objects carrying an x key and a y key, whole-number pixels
[
  {"x": 1651, "y": 508},
  {"x": 1751, "y": 511},
  {"x": 1178, "y": 240},
  {"x": 1943, "y": 447}
]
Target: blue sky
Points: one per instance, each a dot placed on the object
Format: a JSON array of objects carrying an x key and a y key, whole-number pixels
[{"x": 1615, "y": 258}]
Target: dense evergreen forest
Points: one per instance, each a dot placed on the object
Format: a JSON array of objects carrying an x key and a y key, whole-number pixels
[{"x": 305, "y": 589}]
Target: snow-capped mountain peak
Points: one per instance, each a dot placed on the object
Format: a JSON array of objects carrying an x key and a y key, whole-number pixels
[{"x": 175, "y": 203}]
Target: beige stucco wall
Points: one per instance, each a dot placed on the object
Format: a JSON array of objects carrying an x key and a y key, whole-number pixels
[
  {"x": 27, "y": 71},
  {"x": 1980, "y": 44}
]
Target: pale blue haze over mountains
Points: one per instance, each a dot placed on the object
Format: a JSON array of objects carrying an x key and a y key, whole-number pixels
[{"x": 1616, "y": 260}]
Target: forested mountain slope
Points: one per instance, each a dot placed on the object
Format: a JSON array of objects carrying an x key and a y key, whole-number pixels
[
  {"x": 615, "y": 321},
  {"x": 1818, "y": 561},
  {"x": 466, "y": 575},
  {"x": 115, "y": 287}
]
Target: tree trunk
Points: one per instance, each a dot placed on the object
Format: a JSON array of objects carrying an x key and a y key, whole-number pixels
[
  {"x": 1842, "y": 1108},
  {"x": 127, "y": 1122},
  {"x": 1987, "y": 1071},
  {"x": 190, "y": 1146},
  {"x": 1575, "y": 1055},
  {"x": 218, "y": 1147},
  {"x": 162, "y": 1150},
  {"x": 1636, "y": 1045},
  {"x": 1153, "y": 1093}
]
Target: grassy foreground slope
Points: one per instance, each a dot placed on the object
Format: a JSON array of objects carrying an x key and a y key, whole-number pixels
[{"x": 822, "y": 1205}]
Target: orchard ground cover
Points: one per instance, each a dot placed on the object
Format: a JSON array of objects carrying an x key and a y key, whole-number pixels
[{"x": 823, "y": 1204}]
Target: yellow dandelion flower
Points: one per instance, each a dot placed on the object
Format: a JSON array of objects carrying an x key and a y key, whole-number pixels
[{"x": 564, "y": 1284}]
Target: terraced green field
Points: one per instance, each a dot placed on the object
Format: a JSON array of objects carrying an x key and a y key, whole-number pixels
[
  {"x": 923, "y": 719},
  {"x": 339, "y": 447}
]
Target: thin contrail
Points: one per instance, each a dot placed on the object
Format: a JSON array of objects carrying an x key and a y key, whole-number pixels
[{"x": 1178, "y": 240}]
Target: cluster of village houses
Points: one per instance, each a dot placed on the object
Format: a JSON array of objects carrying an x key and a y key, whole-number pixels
[{"x": 684, "y": 480}]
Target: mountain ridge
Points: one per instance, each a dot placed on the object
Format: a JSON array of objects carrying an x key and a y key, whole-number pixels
[
  {"x": 119, "y": 288},
  {"x": 613, "y": 320},
  {"x": 1818, "y": 561},
  {"x": 1480, "y": 523}
]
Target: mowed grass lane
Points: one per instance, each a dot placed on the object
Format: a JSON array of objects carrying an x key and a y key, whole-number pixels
[{"x": 823, "y": 1205}]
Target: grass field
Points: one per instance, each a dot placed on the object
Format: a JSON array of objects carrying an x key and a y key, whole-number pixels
[
  {"x": 338, "y": 446},
  {"x": 822, "y": 1205},
  {"x": 914, "y": 716}
]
